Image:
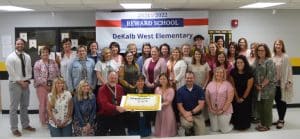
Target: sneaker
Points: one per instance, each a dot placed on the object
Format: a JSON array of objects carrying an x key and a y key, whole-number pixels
[
  {"x": 17, "y": 133},
  {"x": 29, "y": 128}
]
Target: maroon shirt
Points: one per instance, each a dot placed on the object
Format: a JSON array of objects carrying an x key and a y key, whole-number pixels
[
  {"x": 151, "y": 71},
  {"x": 107, "y": 102}
]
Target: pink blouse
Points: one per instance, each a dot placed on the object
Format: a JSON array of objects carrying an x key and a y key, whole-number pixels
[
  {"x": 219, "y": 95},
  {"x": 44, "y": 72}
]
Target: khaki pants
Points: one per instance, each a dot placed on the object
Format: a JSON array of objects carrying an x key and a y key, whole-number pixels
[
  {"x": 198, "y": 124},
  {"x": 220, "y": 122}
]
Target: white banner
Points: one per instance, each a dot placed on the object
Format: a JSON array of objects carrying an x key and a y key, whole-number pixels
[{"x": 174, "y": 28}]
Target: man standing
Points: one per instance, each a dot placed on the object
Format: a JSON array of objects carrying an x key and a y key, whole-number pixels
[
  {"x": 190, "y": 103},
  {"x": 18, "y": 65},
  {"x": 199, "y": 44}
]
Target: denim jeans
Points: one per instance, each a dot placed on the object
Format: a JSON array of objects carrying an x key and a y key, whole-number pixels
[{"x": 61, "y": 132}]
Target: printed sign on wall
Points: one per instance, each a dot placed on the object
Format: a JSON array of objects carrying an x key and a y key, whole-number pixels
[{"x": 156, "y": 28}]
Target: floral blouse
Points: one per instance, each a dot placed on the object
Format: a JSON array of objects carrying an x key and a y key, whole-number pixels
[
  {"x": 44, "y": 72},
  {"x": 266, "y": 70},
  {"x": 60, "y": 109}
]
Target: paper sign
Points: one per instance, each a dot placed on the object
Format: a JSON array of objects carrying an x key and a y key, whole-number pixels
[
  {"x": 32, "y": 43},
  {"x": 64, "y": 35},
  {"x": 23, "y": 36},
  {"x": 74, "y": 43}
]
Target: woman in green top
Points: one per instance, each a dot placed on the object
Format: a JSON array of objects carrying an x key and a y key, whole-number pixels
[{"x": 264, "y": 75}]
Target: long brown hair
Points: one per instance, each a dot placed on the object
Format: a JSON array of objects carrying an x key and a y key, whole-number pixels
[{"x": 283, "y": 46}]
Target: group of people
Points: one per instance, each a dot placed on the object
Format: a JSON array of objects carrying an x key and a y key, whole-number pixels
[{"x": 80, "y": 92}]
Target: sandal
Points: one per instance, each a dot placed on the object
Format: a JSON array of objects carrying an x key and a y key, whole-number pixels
[
  {"x": 280, "y": 124},
  {"x": 262, "y": 128}
]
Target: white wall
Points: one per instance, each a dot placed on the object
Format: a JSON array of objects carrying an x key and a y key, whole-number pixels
[
  {"x": 263, "y": 26},
  {"x": 255, "y": 25},
  {"x": 8, "y": 22}
]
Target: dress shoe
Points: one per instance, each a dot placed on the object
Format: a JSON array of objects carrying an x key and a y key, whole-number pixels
[
  {"x": 29, "y": 128},
  {"x": 17, "y": 133}
]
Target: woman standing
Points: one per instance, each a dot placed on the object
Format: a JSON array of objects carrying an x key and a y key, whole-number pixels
[
  {"x": 186, "y": 55},
  {"x": 153, "y": 67},
  {"x": 146, "y": 48},
  {"x": 232, "y": 52},
  {"x": 164, "y": 50},
  {"x": 60, "y": 110},
  {"x": 211, "y": 58},
  {"x": 223, "y": 62},
  {"x": 251, "y": 58},
  {"x": 243, "y": 82},
  {"x": 129, "y": 73},
  {"x": 131, "y": 47},
  {"x": 84, "y": 110},
  {"x": 284, "y": 81},
  {"x": 264, "y": 76},
  {"x": 165, "y": 122},
  {"x": 200, "y": 68},
  {"x": 45, "y": 70},
  {"x": 176, "y": 68},
  {"x": 115, "y": 52},
  {"x": 243, "y": 47},
  {"x": 93, "y": 51},
  {"x": 219, "y": 95},
  {"x": 105, "y": 65},
  {"x": 67, "y": 56}
]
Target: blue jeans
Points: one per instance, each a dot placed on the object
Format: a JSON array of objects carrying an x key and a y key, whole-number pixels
[{"x": 61, "y": 132}]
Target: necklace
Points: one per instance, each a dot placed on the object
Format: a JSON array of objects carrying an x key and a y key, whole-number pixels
[{"x": 218, "y": 86}]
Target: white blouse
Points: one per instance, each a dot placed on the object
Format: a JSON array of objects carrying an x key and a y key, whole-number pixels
[{"x": 61, "y": 107}]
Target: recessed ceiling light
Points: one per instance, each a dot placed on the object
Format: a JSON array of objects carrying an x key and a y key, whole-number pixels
[
  {"x": 136, "y": 5},
  {"x": 14, "y": 8},
  {"x": 262, "y": 5}
]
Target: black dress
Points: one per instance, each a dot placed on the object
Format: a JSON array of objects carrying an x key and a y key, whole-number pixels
[{"x": 241, "y": 117}]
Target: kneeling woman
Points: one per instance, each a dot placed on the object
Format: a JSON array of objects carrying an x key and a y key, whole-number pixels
[
  {"x": 84, "y": 110},
  {"x": 60, "y": 109}
]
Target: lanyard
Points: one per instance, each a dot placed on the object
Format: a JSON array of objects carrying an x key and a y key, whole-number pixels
[
  {"x": 217, "y": 94},
  {"x": 48, "y": 69},
  {"x": 114, "y": 94}
]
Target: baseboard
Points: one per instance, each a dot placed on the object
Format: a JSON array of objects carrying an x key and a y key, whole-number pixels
[{"x": 29, "y": 111}]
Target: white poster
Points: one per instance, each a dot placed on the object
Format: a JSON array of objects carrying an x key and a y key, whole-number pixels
[
  {"x": 32, "y": 43},
  {"x": 174, "y": 28},
  {"x": 64, "y": 35},
  {"x": 74, "y": 43},
  {"x": 23, "y": 36}
]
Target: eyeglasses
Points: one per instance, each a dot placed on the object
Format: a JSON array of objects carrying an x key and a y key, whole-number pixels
[{"x": 260, "y": 50}]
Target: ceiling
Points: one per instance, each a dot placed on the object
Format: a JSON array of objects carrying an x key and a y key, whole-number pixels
[{"x": 113, "y": 5}]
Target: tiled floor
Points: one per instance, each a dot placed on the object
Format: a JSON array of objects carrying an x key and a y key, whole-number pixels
[{"x": 292, "y": 122}]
